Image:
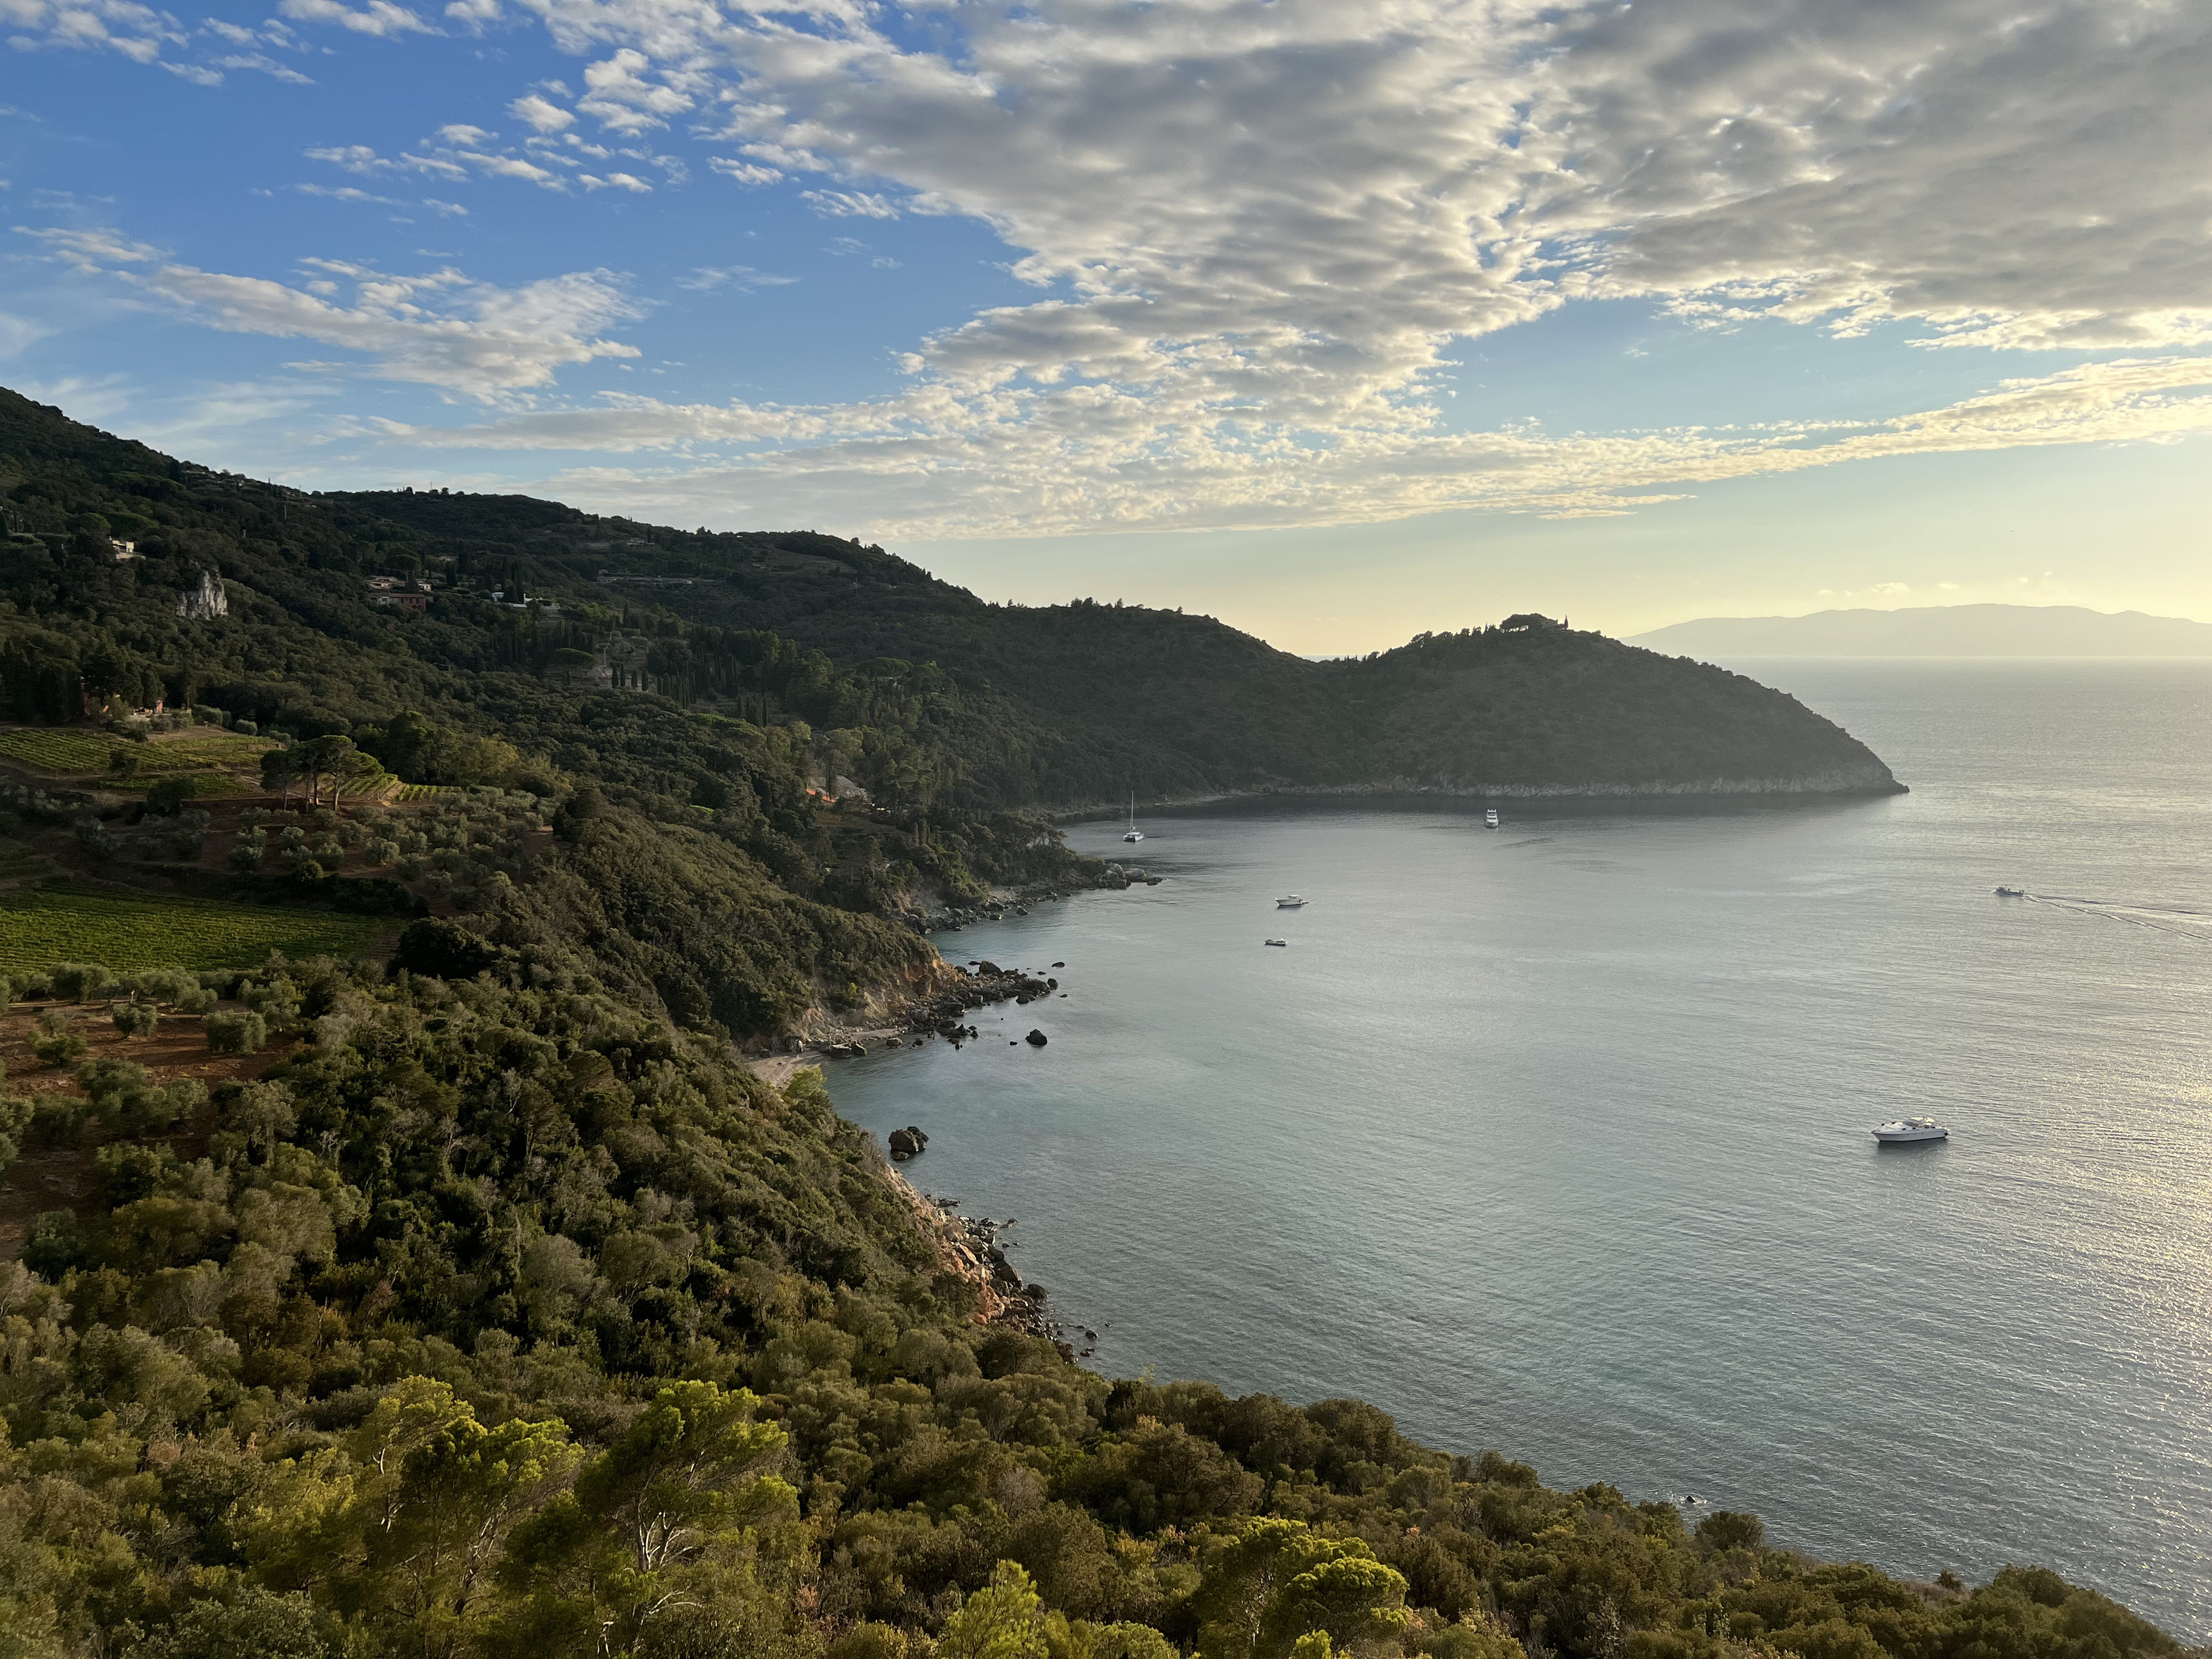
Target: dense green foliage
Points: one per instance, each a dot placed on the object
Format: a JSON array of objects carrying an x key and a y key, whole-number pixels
[
  {"x": 929, "y": 696},
  {"x": 487, "y": 1306},
  {"x": 698, "y": 863},
  {"x": 499, "y": 1318},
  {"x": 1120, "y": 697}
]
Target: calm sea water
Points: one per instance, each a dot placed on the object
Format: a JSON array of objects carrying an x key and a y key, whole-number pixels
[{"x": 1553, "y": 1137}]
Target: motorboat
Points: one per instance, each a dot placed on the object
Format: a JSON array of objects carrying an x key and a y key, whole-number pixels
[
  {"x": 2012, "y": 892},
  {"x": 1289, "y": 902},
  {"x": 1283, "y": 942},
  {"x": 1134, "y": 834},
  {"x": 1490, "y": 819},
  {"x": 1908, "y": 1129}
]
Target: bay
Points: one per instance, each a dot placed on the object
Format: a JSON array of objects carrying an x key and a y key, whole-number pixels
[{"x": 1553, "y": 1137}]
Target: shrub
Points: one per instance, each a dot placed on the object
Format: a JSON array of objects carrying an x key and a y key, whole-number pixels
[
  {"x": 79, "y": 982},
  {"x": 442, "y": 950},
  {"x": 167, "y": 798},
  {"x": 161, "y": 984},
  {"x": 128, "y": 1170},
  {"x": 58, "y": 1048},
  {"x": 134, "y": 1019},
  {"x": 55, "y": 1244},
  {"x": 237, "y": 1031}
]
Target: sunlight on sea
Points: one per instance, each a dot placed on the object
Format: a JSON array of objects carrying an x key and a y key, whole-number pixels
[{"x": 1553, "y": 1137}]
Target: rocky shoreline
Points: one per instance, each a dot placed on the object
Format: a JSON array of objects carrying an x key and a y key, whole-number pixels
[
  {"x": 970, "y": 1247},
  {"x": 951, "y": 918},
  {"x": 941, "y": 1012}
]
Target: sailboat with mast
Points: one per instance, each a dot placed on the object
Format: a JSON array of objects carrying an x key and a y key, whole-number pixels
[{"x": 1134, "y": 834}]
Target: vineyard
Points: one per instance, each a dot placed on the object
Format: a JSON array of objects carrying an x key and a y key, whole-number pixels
[
  {"x": 203, "y": 784},
  {"x": 39, "y": 927},
  {"x": 71, "y": 752}
]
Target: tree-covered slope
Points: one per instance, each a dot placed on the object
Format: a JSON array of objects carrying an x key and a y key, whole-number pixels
[
  {"x": 499, "y": 1318},
  {"x": 1531, "y": 705},
  {"x": 482, "y": 1303},
  {"x": 1125, "y": 697},
  {"x": 711, "y": 876}
]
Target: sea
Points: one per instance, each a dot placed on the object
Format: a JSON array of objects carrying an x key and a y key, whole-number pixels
[{"x": 1553, "y": 1137}]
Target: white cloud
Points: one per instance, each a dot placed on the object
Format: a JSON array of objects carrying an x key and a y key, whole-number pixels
[
  {"x": 745, "y": 172},
  {"x": 620, "y": 424},
  {"x": 380, "y": 18},
  {"x": 439, "y": 329},
  {"x": 619, "y": 94},
  {"x": 267, "y": 65},
  {"x": 849, "y": 205},
  {"x": 933, "y": 464},
  {"x": 535, "y": 109},
  {"x": 137, "y": 32},
  {"x": 1263, "y": 225},
  {"x": 450, "y": 154},
  {"x": 1258, "y": 229},
  {"x": 346, "y": 193},
  {"x": 744, "y": 278}
]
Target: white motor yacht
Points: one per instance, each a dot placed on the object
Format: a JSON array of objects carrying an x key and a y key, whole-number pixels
[
  {"x": 1911, "y": 1128},
  {"x": 1283, "y": 942},
  {"x": 1289, "y": 902},
  {"x": 1490, "y": 819}
]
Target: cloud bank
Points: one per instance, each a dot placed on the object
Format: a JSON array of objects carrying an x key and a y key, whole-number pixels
[
  {"x": 1258, "y": 228},
  {"x": 441, "y": 330}
]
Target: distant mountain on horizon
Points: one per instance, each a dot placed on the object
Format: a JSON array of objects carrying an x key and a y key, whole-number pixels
[{"x": 1938, "y": 630}]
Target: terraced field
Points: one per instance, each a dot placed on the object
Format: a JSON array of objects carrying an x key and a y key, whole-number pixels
[
  {"x": 67, "y": 751},
  {"x": 39, "y": 927},
  {"x": 208, "y": 746},
  {"x": 203, "y": 783}
]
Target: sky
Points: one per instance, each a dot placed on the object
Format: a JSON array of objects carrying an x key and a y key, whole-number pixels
[{"x": 1337, "y": 321}]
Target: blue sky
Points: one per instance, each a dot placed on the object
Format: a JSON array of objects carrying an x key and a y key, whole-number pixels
[{"x": 1336, "y": 322}]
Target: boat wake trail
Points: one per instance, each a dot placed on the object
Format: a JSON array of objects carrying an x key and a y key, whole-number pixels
[{"x": 2182, "y": 921}]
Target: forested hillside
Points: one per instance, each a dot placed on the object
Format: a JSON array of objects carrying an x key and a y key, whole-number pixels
[
  {"x": 497, "y": 1317},
  {"x": 1121, "y": 697},
  {"x": 473, "y": 1297}
]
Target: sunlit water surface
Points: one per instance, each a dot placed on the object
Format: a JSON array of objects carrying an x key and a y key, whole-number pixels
[{"x": 1553, "y": 1137}]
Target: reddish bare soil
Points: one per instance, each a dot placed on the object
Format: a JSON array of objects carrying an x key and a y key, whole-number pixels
[{"x": 62, "y": 1178}]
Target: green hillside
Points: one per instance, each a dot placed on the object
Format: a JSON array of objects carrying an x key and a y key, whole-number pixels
[
  {"x": 482, "y": 1301},
  {"x": 1119, "y": 697}
]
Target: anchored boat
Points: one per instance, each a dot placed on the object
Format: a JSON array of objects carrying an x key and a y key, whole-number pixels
[{"x": 1907, "y": 1129}]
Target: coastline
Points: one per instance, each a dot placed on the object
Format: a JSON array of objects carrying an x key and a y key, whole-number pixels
[
  {"x": 967, "y": 1248},
  {"x": 939, "y": 1013},
  {"x": 1858, "y": 780}
]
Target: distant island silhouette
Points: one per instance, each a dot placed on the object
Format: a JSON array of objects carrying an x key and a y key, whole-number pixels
[{"x": 1938, "y": 630}]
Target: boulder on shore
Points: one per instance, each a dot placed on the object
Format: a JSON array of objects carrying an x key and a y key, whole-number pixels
[
  {"x": 1036, "y": 1039},
  {"x": 905, "y": 1142}
]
